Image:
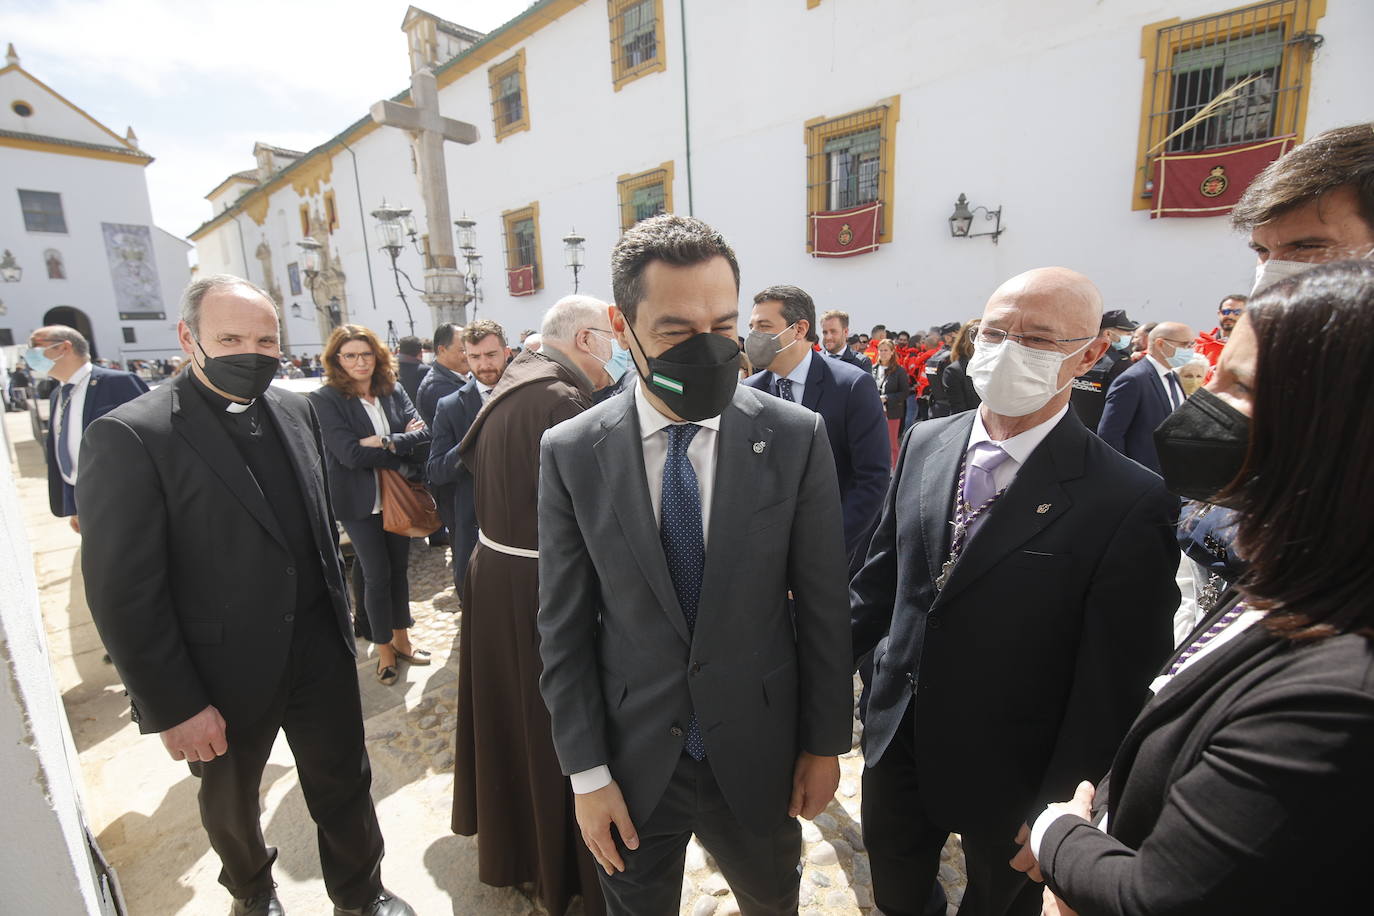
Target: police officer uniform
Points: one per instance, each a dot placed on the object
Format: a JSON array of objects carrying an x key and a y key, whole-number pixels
[{"x": 1089, "y": 395}]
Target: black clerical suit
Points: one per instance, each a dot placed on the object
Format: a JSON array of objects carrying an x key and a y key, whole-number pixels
[
  {"x": 214, "y": 578},
  {"x": 997, "y": 693}
]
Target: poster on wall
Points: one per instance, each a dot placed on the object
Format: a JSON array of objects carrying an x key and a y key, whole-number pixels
[
  {"x": 293, "y": 274},
  {"x": 133, "y": 271}
]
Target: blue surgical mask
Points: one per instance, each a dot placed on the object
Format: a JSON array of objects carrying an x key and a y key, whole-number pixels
[
  {"x": 1182, "y": 357},
  {"x": 618, "y": 364},
  {"x": 38, "y": 360},
  {"x": 1121, "y": 343}
]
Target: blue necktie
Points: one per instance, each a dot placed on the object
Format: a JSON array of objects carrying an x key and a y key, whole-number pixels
[
  {"x": 64, "y": 453},
  {"x": 684, "y": 545},
  {"x": 785, "y": 389}
]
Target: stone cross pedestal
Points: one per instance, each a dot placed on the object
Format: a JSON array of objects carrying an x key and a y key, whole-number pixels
[{"x": 445, "y": 292}]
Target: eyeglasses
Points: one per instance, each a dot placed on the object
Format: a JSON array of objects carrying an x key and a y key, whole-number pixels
[
  {"x": 992, "y": 337},
  {"x": 1239, "y": 311},
  {"x": 366, "y": 357}
]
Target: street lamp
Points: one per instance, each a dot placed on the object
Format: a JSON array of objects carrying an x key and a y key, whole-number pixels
[
  {"x": 10, "y": 271},
  {"x": 466, "y": 229},
  {"x": 394, "y": 223},
  {"x": 961, "y": 220},
  {"x": 334, "y": 313},
  {"x": 573, "y": 254}
]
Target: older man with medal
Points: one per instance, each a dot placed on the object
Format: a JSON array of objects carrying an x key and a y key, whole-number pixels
[{"x": 1017, "y": 597}]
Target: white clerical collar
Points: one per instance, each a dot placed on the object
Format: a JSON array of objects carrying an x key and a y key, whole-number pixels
[
  {"x": 236, "y": 407},
  {"x": 651, "y": 421},
  {"x": 1019, "y": 446}
]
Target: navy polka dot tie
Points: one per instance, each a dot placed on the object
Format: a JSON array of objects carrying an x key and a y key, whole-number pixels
[
  {"x": 684, "y": 546},
  {"x": 785, "y": 389}
]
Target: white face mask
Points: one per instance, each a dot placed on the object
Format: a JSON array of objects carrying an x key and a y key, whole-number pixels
[
  {"x": 1274, "y": 270},
  {"x": 1014, "y": 380}
]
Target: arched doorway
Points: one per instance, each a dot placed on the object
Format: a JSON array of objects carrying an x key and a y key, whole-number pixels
[{"x": 73, "y": 318}]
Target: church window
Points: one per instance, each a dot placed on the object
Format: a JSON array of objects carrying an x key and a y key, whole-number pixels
[
  {"x": 52, "y": 259},
  {"x": 130, "y": 335},
  {"x": 305, "y": 220},
  {"x": 42, "y": 211},
  {"x": 849, "y": 164},
  {"x": 524, "y": 274},
  {"x": 1225, "y": 80},
  {"x": 645, "y": 194},
  {"x": 331, "y": 212},
  {"x": 21, "y": 108},
  {"x": 636, "y": 39},
  {"x": 509, "y": 99}
]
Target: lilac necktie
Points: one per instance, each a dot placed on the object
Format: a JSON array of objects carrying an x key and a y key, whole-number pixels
[{"x": 979, "y": 486}]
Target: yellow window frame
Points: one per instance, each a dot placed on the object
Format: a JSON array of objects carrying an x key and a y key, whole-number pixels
[
  {"x": 883, "y": 115},
  {"x": 626, "y": 185},
  {"x": 622, "y": 75},
  {"x": 1161, "y": 42},
  {"x": 495, "y": 74},
  {"x": 509, "y": 220}
]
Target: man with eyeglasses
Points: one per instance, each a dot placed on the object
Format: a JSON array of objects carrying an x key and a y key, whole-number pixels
[
  {"x": 1140, "y": 399},
  {"x": 1016, "y": 597},
  {"x": 85, "y": 392},
  {"x": 1211, "y": 343}
]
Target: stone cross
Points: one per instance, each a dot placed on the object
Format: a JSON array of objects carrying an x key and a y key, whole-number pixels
[{"x": 430, "y": 129}]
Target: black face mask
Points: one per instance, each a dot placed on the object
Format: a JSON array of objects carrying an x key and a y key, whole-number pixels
[
  {"x": 242, "y": 375},
  {"x": 1202, "y": 447},
  {"x": 695, "y": 379}
]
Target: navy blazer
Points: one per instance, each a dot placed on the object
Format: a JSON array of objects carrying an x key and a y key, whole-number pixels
[
  {"x": 453, "y": 481},
  {"x": 1137, "y": 402},
  {"x": 343, "y": 421},
  {"x": 106, "y": 390},
  {"x": 857, "y": 360},
  {"x": 438, "y": 383},
  {"x": 847, "y": 399}
]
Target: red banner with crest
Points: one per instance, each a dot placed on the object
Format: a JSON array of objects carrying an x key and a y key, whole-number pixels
[
  {"x": 1210, "y": 183},
  {"x": 520, "y": 280},
  {"x": 845, "y": 233}
]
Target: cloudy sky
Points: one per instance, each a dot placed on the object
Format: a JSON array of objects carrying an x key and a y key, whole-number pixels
[{"x": 202, "y": 82}]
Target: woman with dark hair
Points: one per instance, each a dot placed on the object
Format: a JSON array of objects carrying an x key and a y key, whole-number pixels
[
  {"x": 893, "y": 387},
  {"x": 368, "y": 422},
  {"x": 1244, "y": 785},
  {"x": 958, "y": 386}
]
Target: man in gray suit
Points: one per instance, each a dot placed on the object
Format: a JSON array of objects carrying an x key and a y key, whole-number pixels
[{"x": 688, "y": 693}]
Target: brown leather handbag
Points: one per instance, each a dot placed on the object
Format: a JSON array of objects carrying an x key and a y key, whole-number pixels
[{"x": 408, "y": 508}]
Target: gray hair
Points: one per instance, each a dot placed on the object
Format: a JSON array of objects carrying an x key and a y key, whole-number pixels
[
  {"x": 195, "y": 293},
  {"x": 572, "y": 314},
  {"x": 80, "y": 345}
]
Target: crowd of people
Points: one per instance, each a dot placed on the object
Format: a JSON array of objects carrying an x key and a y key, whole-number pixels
[{"x": 1109, "y": 605}]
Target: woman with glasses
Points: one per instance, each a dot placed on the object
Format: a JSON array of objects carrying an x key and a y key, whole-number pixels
[
  {"x": 1243, "y": 786},
  {"x": 368, "y": 422}
]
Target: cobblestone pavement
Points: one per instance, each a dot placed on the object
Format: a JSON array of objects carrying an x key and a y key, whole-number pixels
[{"x": 141, "y": 806}]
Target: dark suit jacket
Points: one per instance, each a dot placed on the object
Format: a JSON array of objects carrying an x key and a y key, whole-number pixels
[
  {"x": 106, "y": 390},
  {"x": 343, "y": 421},
  {"x": 897, "y": 386},
  {"x": 959, "y": 388},
  {"x": 857, "y": 360},
  {"x": 439, "y": 382},
  {"x": 189, "y": 577},
  {"x": 1027, "y": 668},
  {"x": 410, "y": 372},
  {"x": 1137, "y": 402},
  {"x": 446, "y": 471},
  {"x": 1244, "y": 787},
  {"x": 766, "y": 677},
  {"x": 848, "y": 401}
]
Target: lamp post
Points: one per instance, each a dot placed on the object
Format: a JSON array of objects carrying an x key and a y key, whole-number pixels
[
  {"x": 961, "y": 221},
  {"x": 10, "y": 271},
  {"x": 573, "y": 254},
  {"x": 394, "y": 223},
  {"x": 466, "y": 230}
]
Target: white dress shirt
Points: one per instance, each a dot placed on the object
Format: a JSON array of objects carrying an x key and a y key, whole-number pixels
[
  {"x": 79, "y": 381},
  {"x": 1018, "y": 447},
  {"x": 1169, "y": 380},
  {"x": 653, "y": 437},
  {"x": 377, "y": 414},
  {"x": 798, "y": 374}
]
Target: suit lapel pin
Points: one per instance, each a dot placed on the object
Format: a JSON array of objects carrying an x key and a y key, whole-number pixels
[
  {"x": 759, "y": 447},
  {"x": 1042, "y": 508}
]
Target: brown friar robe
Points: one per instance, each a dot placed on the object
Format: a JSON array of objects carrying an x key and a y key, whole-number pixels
[{"x": 507, "y": 785}]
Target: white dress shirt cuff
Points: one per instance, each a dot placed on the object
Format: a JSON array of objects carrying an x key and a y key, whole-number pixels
[
  {"x": 591, "y": 780},
  {"x": 1041, "y": 827}
]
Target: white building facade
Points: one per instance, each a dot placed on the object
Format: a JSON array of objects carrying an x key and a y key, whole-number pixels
[
  {"x": 76, "y": 225},
  {"x": 754, "y": 116}
]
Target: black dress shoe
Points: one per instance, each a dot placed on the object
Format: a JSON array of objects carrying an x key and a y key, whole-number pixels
[
  {"x": 264, "y": 904},
  {"x": 385, "y": 904}
]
